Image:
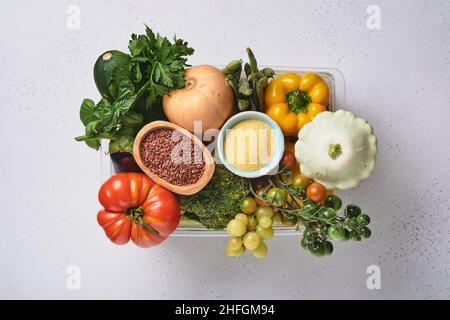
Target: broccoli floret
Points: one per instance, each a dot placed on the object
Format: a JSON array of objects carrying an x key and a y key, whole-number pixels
[{"x": 217, "y": 203}]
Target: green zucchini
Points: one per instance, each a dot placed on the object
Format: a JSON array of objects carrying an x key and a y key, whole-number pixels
[{"x": 104, "y": 67}]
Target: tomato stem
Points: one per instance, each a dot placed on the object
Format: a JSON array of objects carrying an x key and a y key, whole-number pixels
[
  {"x": 150, "y": 228},
  {"x": 137, "y": 216},
  {"x": 135, "y": 213}
]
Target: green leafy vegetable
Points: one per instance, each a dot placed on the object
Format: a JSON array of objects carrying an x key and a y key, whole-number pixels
[
  {"x": 111, "y": 121},
  {"x": 216, "y": 204},
  {"x": 159, "y": 62},
  {"x": 133, "y": 89}
]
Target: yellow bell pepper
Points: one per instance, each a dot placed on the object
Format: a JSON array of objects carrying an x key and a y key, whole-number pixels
[{"x": 293, "y": 101}]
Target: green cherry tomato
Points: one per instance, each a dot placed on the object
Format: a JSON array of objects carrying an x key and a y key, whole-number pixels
[
  {"x": 248, "y": 205},
  {"x": 323, "y": 229},
  {"x": 317, "y": 249},
  {"x": 289, "y": 220},
  {"x": 300, "y": 182},
  {"x": 354, "y": 236},
  {"x": 346, "y": 235},
  {"x": 328, "y": 248},
  {"x": 363, "y": 220},
  {"x": 350, "y": 222},
  {"x": 276, "y": 197},
  {"x": 365, "y": 232},
  {"x": 309, "y": 208},
  {"x": 310, "y": 235},
  {"x": 333, "y": 201},
  {"x": 352, "y": 211},
  {"x": 327, "y": 213},
  {"x": 336, "y": 232},
  {"x": 304, "y": 243}
]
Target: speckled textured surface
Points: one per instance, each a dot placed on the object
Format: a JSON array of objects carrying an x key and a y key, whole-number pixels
[{"x": 397, "y": 77}]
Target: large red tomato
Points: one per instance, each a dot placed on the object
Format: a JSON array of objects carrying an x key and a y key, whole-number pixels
[{"x": 136, "y": 207}]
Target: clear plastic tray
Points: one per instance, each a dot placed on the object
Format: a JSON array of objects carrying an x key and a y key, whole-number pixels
[{"x": 336, "y": 82}]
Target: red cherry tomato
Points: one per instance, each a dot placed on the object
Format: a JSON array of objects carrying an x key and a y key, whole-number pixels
[
  {"x": 316, "y": 192},
  {"x": 289, "y": 160},
  {"x": 260, "y": 202}
]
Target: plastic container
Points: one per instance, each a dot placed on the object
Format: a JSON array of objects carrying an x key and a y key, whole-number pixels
[{"x": 336, "y": 82}]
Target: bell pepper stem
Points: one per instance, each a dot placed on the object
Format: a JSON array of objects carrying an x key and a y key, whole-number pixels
[{"x": 298, "y": 100}]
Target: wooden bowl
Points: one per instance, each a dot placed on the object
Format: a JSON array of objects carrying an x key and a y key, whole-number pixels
[{"x": 186, "y": 189}]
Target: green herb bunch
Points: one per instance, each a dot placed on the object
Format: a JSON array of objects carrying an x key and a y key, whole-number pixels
[
  {"x": 158, "y": 64},
  {"x": 135, "y": 87}
]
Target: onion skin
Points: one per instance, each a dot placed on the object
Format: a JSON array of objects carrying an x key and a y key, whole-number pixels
[{"x": 206, "y": 97}]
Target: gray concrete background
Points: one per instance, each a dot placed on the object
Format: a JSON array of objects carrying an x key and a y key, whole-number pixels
[{"x": 396, "y": 77}]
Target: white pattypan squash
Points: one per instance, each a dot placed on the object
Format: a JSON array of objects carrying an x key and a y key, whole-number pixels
[{"x": 336, "y": 149}]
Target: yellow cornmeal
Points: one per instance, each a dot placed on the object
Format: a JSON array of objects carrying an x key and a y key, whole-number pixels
[{"x": 249, "y": 145}]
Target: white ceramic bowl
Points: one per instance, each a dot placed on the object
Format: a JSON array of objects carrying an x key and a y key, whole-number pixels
[{"x": 272, "y": 166}]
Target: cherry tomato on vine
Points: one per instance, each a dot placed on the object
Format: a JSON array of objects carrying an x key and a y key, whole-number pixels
[
  {"x": 363, "y": 219},
  {"x": 300, "y": 182},
  {"x": 289, "y": 220},
  {"x": 354, "y": 235},
  {"x": 260, "y": 202},
  {"x": 276, "y": 197},
  {"x": 365, "y": 232},
  {"x": 328, "y": 248},
  {"x": 289, "y": 160},
  {"x": 317, "y": 249},
  {"x": 350, "y": 222},
  {"x": 248, "y": 205},
  {"x": 352, "y": 211},
  {"x": 327, "y": 213},
  {"x": 346, "y": 235},
  {"x": 336, "y": 232},
  {"x": 303, "y": 243},
  {"x": 333, "y": 201},
  {"x": 316, "y": 192},
  {"x": 261, "y": 183},
  {"x": 310, "y": 235},
  {"x": 310, "y": 208}
]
